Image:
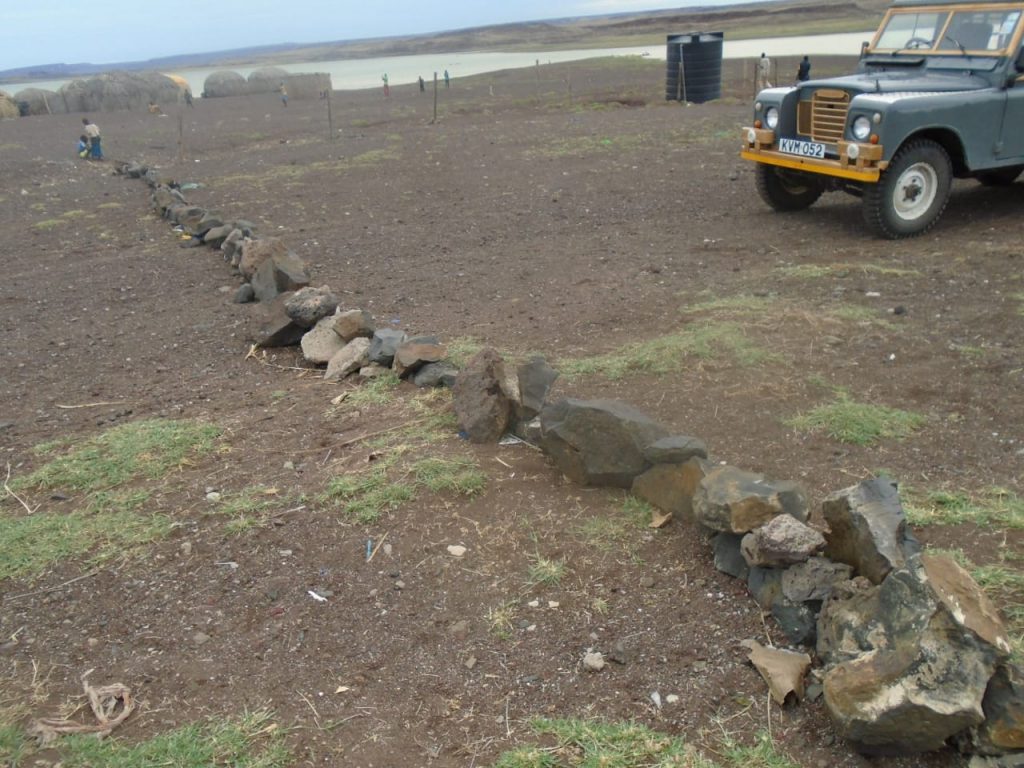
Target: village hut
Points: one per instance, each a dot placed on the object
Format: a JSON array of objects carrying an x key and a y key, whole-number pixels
[
  {"x": 8, "y": 107},
  {"x": 267, "y": 79},
  {"x": 117, "y": 91},
  {"x": 39, "y": 101},
  {"x": 224, "y": 82}
]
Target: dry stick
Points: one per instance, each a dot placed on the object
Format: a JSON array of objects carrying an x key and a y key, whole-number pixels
[
  {"x": 92, "y": 405},
  {"x": 88, "y": 575},
  {"x": 16, "y": 496},
  {"x": 347, "y": 443},
  {"x": 330, "y": 116},
  {"x": 434, "y": 120}
]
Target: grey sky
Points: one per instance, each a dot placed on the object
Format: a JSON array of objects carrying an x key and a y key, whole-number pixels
[{"x": 106, "y": 31}]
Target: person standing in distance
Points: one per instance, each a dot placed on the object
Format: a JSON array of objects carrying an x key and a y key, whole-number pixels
[
  {"x": 764, "y": 72},
  {"x": 803, "y": 72}
]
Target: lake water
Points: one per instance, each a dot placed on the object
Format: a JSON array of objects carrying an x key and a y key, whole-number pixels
[{"x": 351, "y": 74}]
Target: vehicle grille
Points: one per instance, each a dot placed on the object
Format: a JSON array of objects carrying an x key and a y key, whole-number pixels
[{"x": 823, "y": 118}]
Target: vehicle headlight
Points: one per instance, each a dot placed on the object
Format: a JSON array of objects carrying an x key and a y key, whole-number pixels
[
  {"x": 771, "y": 118},
  {"x": 861, "y": 128}
]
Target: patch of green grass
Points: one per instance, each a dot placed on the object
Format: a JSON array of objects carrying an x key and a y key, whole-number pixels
[
  {"x": 460, "y": 350},
  {"x": 72, "y": 214},
  {"x": 993, "y": 506},
  {"x": 365, "y": 497},
  {"x": 666, "y": 354},
  {"x": 501, "y": 620},
  {"x": 14, "y": 746},
  {"x": 379, "y": 390},
  {"x": 591, "y": 743},
  {"x": 47, "y": 224},
  {"x": 251, "y": 741},
  {"x": 607, "y": 532},
  {"x": 459, "y": 476},
  {"x": 735, "y": 305},
  {"x": 856, "y": 423},
  {"x": 856, "y": 314},
  {"x": 1019, "y": 297},
  {"x": 545, "y": 572},
  {"x": 814, "y": 271},
  {"x": 762, "y": 754},
  {"x": 141, "y": 449},
  {"x": 31, "y": 544},
  {"x": 107, "y": 206},
  {"x": 246, "y": 509},
  {"x": 374, "y": 157}
]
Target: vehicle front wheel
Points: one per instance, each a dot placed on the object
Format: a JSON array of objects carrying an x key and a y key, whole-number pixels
[
  {"x": 786, "y": 190},
  {"x": 912, "y": 193},
  {"x": 1000, "y": 177}
]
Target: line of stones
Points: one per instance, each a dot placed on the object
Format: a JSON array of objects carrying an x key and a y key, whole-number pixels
[{"x": 914, "y": 655}]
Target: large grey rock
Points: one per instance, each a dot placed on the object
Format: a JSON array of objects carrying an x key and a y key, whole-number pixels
[
  {"x": 731, "y": 499},
  {"x": 675, "y": 449},
  {"x": 1003, "y": 729},
  {"x": 244, "y": 294},
  {"x": 813, "y": 580},
  {"x": 868, "y": 529},
  {"x": 308, "y": 305},
  {"x": 353, "y": 323},
  {"x": 670, "y": 487},
  {"x": 482, "y": 406},
  {"x": 321, "y": 344},
  {"x": 780, "y": 542},
  {"x": 349, "y": 359},
  {"x": 413, "y": 354},
  {"x": 728, "y": 558},
  {"x": 436, "y": 375},
  {"x": 909, "y": 661},
  {"x": 534, "y": 378},
  {"x": 255, "y": 252},
  {"x": 598, "y": 442},
  {"x": 798, "y": 621},
  {"x": 279, "y": 274},
  {"x": 215, "y": 236},
  {"x": 383, "y": 345},
  {"x": 232, "y": 247},
  {"x": 276, "y": 329}
]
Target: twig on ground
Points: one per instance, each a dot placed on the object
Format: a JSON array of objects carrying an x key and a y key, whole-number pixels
[
  {"x": 21, "y": 501},
  {"x": 90, "y": 574},
  {"x": 92, "y": 405},
  {"x": 261, "y": 359},
  {"x": 379, "y": 544},
  {"x": 104, "y": 702}
]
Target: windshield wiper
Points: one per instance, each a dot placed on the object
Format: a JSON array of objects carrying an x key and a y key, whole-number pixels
[{"x": 955, "y": 42}]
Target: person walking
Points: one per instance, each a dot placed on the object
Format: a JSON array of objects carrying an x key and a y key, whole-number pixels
[
  {"x": 423, "y": 85},
  {"x": 284, "y": 94},
  {"x": 92, "y": 131},
  {"x": 764, "y": 72},
  {"x": 803, "y": 72},
  {"x": 447, "y": 79},
  {"x": 188, "y": 97},
  {"x": 387, "y": 88}
]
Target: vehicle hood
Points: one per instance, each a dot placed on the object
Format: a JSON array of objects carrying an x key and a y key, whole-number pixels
[{"x": 901, "y": 83}]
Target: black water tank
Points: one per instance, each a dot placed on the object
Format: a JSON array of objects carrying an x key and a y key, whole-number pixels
[{"x": 693, "y": 69}]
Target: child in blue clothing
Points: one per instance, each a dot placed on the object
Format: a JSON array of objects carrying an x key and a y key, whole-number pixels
[{"x": 83, "y": 146}]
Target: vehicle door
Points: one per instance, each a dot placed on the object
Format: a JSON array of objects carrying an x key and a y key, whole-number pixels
[{"x": 1012, "y": 133}]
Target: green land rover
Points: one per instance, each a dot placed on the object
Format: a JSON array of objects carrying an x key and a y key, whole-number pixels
[{"x": 938, "y": 94}]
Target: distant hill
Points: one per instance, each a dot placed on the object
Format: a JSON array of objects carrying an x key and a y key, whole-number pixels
[{"x": 775, "y": 18}]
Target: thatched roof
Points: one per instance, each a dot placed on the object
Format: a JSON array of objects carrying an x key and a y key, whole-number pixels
[
  {"x": 266, "y": 79},
  {"x": 7, "y": 106},
  {"x": 118, "y": 90},
  {"x": 40, "y": 101},
  {"x": 225, "y": 82}
]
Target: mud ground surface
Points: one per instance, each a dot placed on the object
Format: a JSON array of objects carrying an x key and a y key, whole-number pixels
[{"x": 570, "y": 213}]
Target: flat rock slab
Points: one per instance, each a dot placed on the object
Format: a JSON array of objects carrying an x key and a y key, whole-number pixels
[
  {"x": 349, "y": 359},
  {"x": 321, "y": 344},
  {"x": 733, "y": 500},
  {"x": 670, "y": 487}
]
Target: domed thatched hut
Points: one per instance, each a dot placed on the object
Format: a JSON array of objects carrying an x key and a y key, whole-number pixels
[
  {"x": 183, "y": 85},
  {"x": 118, "y": 90},
  {"x": 7, "y": 107},
  {"x": 39, "y": 101},
  {"x": 225, "y": 82},
  {"x": 267, "y": 79}
]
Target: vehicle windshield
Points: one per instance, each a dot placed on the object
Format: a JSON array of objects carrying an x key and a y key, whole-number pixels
[{"x": 984, "y": 31}]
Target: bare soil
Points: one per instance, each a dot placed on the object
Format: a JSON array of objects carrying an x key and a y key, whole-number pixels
[{"x": 570, "y": 212}]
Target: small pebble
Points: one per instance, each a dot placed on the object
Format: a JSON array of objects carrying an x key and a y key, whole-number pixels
[
  {"x": 213, "y": 496},
  {"x": 470, "y": 662},
  {"x": 647, "y": 581},
  {"x": 671, "y": 699},
  {"x": 399, "y": 584},
  {"x": 456, "y": 550},
  {"x": 593, "y": 661},
  {"x": 186, "y": 549}
]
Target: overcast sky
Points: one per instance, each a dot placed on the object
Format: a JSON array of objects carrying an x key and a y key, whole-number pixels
[{"x": 107, "y": 31}]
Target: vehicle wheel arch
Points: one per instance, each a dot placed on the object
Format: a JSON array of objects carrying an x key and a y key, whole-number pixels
[{"x": 946, "y": 138}]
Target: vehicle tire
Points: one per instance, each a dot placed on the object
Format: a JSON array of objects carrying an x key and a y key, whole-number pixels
[
  {"x": 786, "y": 190},
  {"x": 912, "y": 193},
  {"x": 1000, "y": 177}
]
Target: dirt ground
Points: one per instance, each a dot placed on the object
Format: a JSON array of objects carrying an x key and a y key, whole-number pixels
[{"x": 570, "y": 212}]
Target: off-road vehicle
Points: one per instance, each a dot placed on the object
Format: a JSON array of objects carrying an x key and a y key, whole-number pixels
[{"x": 938, "y": 95}]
